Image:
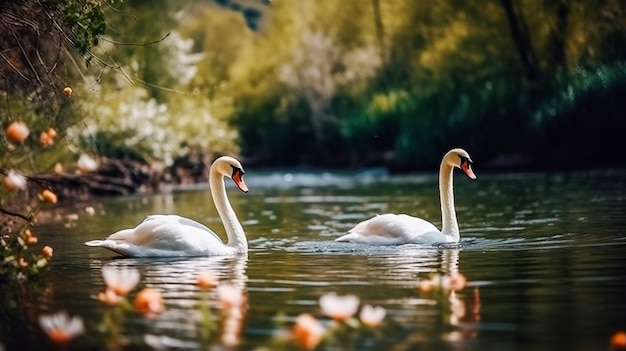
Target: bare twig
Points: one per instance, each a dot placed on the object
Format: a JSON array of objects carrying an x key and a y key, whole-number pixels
[
  {"x": 27, "y": 219},
  {"x": 100, "y": 37},
  {"x": 25, "y": 54}
]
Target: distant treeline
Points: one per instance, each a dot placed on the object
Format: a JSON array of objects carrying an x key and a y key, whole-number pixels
[
  {"x": 512, "y": 82},
  {"x": 354, "y": 83}
]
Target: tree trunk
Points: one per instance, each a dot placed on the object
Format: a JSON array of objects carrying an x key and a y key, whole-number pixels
[
  {"x": 380, "y": 31},
  {"x": 519, "y": 33},
  {"x": 557, "y": 42}
]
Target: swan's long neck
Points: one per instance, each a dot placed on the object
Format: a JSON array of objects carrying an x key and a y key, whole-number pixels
[
  {"x": 234, "y": 230},
  {"x": 450, "y": 226}
]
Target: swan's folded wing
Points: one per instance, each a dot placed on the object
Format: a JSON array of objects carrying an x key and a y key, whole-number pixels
[
  {"x": 389, "y": 229},
  {"x": 168, "y": 232}
]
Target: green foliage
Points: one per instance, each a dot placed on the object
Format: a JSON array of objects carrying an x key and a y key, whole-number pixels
[
  {"x": 86, "y": 22},
  {"x": 377, "y": 83},
  {"x": 451, "y": 76},
  {"x": 579, "y": 118},
  {"x": 16, "y": 261}
]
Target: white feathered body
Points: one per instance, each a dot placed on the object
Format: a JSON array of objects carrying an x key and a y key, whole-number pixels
[
  {"x": 165, "y": 236},
  {"x": 391, "y": 229}
]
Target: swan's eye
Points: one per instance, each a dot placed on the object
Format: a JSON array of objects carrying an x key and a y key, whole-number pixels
[
  {"x": 237, "y": 170},
  {"x": 465, "y": 160}
]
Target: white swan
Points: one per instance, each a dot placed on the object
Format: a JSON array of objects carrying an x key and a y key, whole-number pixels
[
  {"x": 388, "y": 229},
  {"x": 172, "y": 235}
]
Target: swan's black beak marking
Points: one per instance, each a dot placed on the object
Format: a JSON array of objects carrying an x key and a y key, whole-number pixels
[
  {"x": 238, "y": 179},
  {"x": 466, "y": 166}
]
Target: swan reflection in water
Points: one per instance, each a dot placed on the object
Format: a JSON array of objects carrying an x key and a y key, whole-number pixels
[
  {"x": 188, "y": 319},
  {"x": 459, "y": 300},
  {"x": 444, "y": 303}
]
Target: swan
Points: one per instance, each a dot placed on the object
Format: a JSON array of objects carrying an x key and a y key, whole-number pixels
[
  {"x": 389, "y": 229},
  {"x": 172, "y": 235}
]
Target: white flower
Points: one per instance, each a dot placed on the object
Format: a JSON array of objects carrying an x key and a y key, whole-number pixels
[
  {"x": 372, "y": 316},
  {"x": 120, "y": 280},
  {"x": 339, "y": 307},
  {"x": 60, "y": 327},
  {"x": 14, "y": 180},
  {"x": 86, "y": 164}
]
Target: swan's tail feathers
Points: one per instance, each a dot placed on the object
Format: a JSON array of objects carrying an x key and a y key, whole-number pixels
[
  {"x": 115, "y": 246},
  {"x": 95, "y": 243},
  {"x": 348, "y": 237}
]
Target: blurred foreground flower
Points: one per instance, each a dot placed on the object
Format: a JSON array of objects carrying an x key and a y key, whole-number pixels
[
  {"x": 372, "y": 316},
  {"x": 337, "y": 307},
  {"x": 307, "y": 331},
  {"x": 58, "y": 168},
  {"x": 48, "y": 196},
  {"x": 230, "y": 296},
  {"x": 618, "y": 341},
  {"x": 207, "y": 280},
  {"x": 149, "y": 302},
  {"x": 120, "y": 280},
  {"x": 17, "y": 132},
  {"x": 109, "y": 297},
  {"x": 47, "y": 251},
  {"x": 29, "y": 238},
  {"x": 46, "y": 138},
  {"x": 86, "y": 164},
  {"x": 60, "y": 327},
  {"x": 13, "y": 181}
]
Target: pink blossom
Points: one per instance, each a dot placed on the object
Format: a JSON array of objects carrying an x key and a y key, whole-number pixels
[
  {"x": 338, "y": 307},
  {"x": 372, "y": 316}
]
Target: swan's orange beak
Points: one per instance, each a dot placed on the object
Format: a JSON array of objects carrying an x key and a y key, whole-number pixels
[
  {"x": 238, "y": 179},
  {"x": 466, "y": 166}
]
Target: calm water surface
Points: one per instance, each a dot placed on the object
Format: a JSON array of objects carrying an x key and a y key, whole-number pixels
[{"x": 543, "y": 255}]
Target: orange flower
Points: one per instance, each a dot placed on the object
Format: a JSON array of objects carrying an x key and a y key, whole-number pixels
[
  {"x": 29, "y": 238},
  {"x": 307, "y": 331},
  {"x": 67, "y": 91},
  {"x": 618, "y": 341},
  {"x": 46, "y": 138},
  {"x": 51, "y": 132},
  {"x": 47, "y": 252},
  {"x": 337, "y": 307},
  {"x": 207, "y": 280},
  {"x": 149, "y": 302},
  {"x": 48, "y": 196},
  {"x": 17, "y": 132},
  {"x": 22, "y": 262},
  {"x": 60, "y": 327},
  {"x": 13, "y": 181}
]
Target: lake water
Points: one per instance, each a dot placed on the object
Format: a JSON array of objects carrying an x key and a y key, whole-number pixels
[{"x": 543, "y": 255}]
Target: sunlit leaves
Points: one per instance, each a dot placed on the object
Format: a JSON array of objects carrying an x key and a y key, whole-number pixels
[{"x": 86, "y": 22}]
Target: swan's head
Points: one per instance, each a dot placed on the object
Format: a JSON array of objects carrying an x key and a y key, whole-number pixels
[
  {"x": 231, "y": 168},
  {"x": 461, "y": 159}
]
